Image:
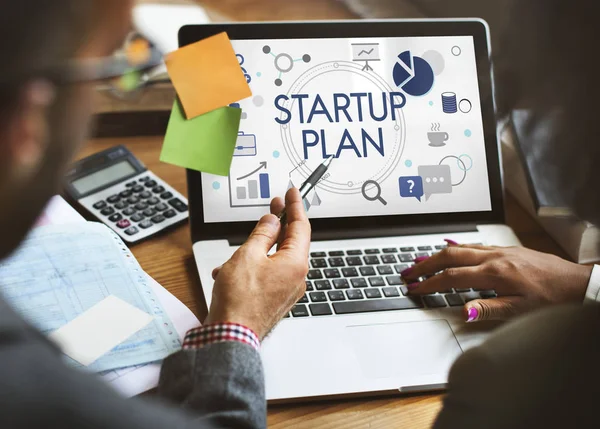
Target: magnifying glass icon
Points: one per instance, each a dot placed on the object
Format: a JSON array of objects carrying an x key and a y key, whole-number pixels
[{"x": 377, "y": 196}]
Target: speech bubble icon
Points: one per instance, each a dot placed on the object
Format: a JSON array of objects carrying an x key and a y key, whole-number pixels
[
  {"x": 437, "y": 179},
  {"x": 411, "y": 187}
]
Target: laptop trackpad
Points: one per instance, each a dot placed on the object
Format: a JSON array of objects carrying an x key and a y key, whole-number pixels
[{"x": 412, "y": 348}]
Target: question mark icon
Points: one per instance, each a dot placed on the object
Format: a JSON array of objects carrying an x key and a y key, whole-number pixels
[{"x": 412, "y": 185}]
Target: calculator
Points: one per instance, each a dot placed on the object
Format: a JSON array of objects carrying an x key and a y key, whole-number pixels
[{"x": 117, "y": 189}]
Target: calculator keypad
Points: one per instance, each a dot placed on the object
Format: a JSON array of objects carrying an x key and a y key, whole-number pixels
[
  {"x": 178, "y": 205},
  {"x": 132, "y": 231},
  {"x": 124, "y": 223},
  {"x": 140, "y": 204},
  {"x": 107, "y": 211}
]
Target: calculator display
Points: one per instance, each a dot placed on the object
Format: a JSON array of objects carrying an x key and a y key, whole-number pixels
[{"x": 101, "y": 178}]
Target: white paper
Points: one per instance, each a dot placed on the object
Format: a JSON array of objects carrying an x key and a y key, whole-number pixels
[
  {"x": 132, "y": 380},
  {"x": 138, "y": 379},
  {"x": 100, "y": 329},
  {"x": 58, "y": 212}
]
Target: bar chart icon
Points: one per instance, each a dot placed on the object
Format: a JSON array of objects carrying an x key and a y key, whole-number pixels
[{"x": 251, "y": 190}]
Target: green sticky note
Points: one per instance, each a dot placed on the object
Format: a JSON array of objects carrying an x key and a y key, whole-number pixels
[{"x": 204, "y": 143}]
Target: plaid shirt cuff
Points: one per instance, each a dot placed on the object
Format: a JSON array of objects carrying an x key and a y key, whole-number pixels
[{"x": 219, "y": 333}]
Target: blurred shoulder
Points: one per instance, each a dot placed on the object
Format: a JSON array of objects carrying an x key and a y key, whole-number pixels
[
  {"x": 554, "y": 328},
  {"x": 538, "y": 370}
]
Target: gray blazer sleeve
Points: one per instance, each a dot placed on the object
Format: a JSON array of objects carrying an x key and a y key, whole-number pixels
[
  {"x": 223, "y": 382},
  {"x": 218, "y": 386},
  {"x": 541, "y": 371}
]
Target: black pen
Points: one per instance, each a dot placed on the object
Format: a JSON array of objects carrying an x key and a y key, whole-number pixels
[{"x": 310, "y": 184}]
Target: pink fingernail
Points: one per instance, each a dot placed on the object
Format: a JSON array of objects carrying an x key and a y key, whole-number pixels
[
  {"x": 421, "y": 259},
  {"x": 413, "y": 286},
  {"x": 407, "y": 271},
  {"x": 451, "y": 242},
  {"x": 473, "y": 314}
]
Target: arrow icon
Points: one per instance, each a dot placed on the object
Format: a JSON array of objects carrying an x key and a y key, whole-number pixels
[{"x": 262, "y": 165}]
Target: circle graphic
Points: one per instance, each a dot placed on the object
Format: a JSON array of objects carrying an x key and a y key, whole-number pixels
[
  {"x": 436, "y": 61},
  {"x": 216, "y": 186},
  {"x": 460, "y": 161},
  {"x": 408, "y": 163},
  {"x": 465, "y": 105},
  {"x": 456, "y": 51},
  {"x": 336, "y": 76},
  {"x": 431, "y": 103},
  {"x": 276, "y": 154},
  {"x": 258, "y": 101},
  {"x": 258, "y": 74},
  {"x": 468, "y": 133},
  {"x": 284, "y": 63},
  {"x": 413, "y": 74}
]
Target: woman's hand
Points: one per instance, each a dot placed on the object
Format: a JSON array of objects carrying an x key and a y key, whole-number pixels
[{"x": 523, "y": 279}]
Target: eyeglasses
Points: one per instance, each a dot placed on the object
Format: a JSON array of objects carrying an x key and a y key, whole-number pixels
[{"x": 126, "y": 71}]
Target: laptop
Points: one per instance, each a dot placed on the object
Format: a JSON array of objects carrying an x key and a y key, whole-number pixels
[{"x": 406, "y": 108}]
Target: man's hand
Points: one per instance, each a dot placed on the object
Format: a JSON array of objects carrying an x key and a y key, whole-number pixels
[
  {"x": 257, "y": 290},
  {"x": 523, "y": 279}
]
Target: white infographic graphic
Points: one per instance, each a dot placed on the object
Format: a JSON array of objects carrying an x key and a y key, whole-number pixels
[{"x": 401, "y": 117}]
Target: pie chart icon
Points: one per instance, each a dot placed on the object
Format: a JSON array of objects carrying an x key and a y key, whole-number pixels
[{"x": 413, "y": 74}]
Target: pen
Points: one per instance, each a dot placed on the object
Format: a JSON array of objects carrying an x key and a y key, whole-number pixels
[{"x": 309, "y": 184}]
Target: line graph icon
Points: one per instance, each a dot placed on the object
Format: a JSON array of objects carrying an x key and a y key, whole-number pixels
[
  {"x": 251, "y": 189},
  {"x": 366, "y": 52}
]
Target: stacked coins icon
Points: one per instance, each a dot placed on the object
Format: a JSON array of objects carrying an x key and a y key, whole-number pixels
[{"x": 449, "y": 102}]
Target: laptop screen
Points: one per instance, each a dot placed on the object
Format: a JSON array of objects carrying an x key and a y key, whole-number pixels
[{"x": 402, "y": 117}]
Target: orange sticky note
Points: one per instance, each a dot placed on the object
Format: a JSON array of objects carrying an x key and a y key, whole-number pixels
[{"x": 207, "y": 75}]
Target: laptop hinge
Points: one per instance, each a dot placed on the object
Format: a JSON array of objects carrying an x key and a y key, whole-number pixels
[{"x": 378, "y": 232}]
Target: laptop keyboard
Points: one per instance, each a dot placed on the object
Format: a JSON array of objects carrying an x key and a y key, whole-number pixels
[{"x": 368, "y": 280}]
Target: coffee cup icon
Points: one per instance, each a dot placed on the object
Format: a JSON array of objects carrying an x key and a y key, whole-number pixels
[{"x": 438, "y": 139}]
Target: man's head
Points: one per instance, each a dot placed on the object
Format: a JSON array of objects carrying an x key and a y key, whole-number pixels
[{"x": 42, "y": 122}]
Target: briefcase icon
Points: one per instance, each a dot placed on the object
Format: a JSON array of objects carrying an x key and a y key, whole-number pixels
[{"x": 245, "y": 145}]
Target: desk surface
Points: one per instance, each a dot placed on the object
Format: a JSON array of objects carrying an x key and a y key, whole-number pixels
[{"x": 168, "y": 259}]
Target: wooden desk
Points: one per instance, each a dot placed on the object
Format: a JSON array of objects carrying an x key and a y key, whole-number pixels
[{"x": 169, "y": 260}]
